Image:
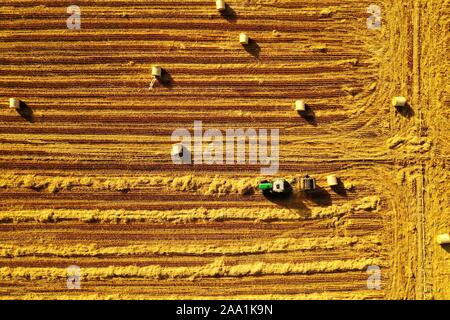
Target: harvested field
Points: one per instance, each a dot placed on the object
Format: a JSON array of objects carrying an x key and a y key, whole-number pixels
[{"x": 87, "y": 179}]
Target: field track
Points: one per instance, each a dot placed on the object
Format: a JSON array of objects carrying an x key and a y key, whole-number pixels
[{"x": 86, "y": 176}]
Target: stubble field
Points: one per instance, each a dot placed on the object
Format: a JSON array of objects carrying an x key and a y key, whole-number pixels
[{"x": 86, "y": 176}]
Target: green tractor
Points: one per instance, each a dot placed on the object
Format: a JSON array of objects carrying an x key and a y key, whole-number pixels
[{"x": 277, "y": 186}]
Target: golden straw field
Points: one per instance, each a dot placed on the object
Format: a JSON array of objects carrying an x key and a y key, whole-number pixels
[{"x": 87, "y": 179}]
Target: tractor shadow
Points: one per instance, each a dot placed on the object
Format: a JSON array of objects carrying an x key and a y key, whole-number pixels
[
  {"x": 308, "y": 115},
  {"x": 319, "y": 196},
  {"x": 26, "y": 112},
  {"x": 289, "y": 200},
  {"x": 297, "y": 201},
  {"x": 279, "y": 198}
]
